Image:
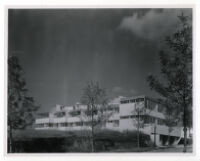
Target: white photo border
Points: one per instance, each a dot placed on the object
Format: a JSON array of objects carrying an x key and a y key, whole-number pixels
[{"x": 100, "y": 4}]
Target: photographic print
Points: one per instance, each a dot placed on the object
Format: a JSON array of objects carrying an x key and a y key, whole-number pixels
[{"x": 99, "y": 80}]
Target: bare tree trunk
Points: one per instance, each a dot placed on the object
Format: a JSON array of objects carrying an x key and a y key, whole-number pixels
[
  {"x": 168, "y": 138},
  {"x": 138, "y": 131},
  {"x": 154, "y": 135},
  {"x": 185, "y": 128},
  {"x": 10, "y": 150},
  {"x": 92, "y": 144},
  {"x": 92, "y": 139},
  {"x": 185, "y": 140}
]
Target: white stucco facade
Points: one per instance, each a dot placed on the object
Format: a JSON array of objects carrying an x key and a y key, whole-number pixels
[{"x": 125, "y": 114}]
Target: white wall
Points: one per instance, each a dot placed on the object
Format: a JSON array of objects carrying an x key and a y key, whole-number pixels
[{"x": 126, "y": 109}]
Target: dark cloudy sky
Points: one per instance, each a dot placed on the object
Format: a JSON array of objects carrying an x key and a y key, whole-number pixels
[{"x": 61, "y": 50}]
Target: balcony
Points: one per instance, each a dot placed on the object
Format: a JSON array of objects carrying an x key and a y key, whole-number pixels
[{"x": 42, "y": 120}]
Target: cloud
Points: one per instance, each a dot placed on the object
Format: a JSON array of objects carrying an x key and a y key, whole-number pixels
[{"x": 153, "y": 25}]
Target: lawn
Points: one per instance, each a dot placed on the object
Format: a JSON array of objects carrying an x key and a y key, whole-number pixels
[{"x": 39, "y": 141}]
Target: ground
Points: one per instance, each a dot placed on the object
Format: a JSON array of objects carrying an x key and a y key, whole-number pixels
[
  {"x": 63, "y": 141},
  {"x": 174, "y": 149}
]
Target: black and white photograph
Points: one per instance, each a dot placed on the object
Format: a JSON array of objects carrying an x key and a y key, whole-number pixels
[{"x": 100, "y": 80}]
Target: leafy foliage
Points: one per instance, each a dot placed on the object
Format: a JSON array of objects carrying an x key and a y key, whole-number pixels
[
  {"x": 176, "y": 69},
  {"x": 97, "y": 102},
  {"x": 20, "y": 105},
  {"x": 96, "y": 114}
]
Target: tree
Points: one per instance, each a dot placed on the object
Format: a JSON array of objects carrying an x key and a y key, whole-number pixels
[
  {"x": 20, "y": 105},
  {"x": 138, "y": 120},
  {"x": 172, "y": 116},
  {"x": 176, "y": 69},
  {"x": 97, "y": 102},
  {"x": 141, "y": 114}
]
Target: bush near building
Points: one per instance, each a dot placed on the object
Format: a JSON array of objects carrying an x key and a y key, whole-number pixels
[{"x": 33, "y": 141}]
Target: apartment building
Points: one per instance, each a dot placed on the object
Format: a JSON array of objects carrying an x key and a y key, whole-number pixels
[{"x": 133, "y": 113}]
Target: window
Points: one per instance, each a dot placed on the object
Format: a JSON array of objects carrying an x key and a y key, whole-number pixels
[
  {"x": 148, "y": 119},
  {"x": 132, "y": 100},
  {"x": 90, "y": 112},
  {"x": 122, "y": 102},
  {"x": 86, "y": 123},
  {"x": 79, "y": 123},
  {"x": 160, "y": 122},
  {"x": 59, "y": 114},
  {"x": 62, "y": 124},
  {"x": 55, "y": 125},
  {"x": 46, "y": 124},
  {"x": 115, "y": 109},
  {"x": 151, "y": 105},
  {"x": 75, "y": 113},
  {"x": 127, "y": 117},
  {"x": 50, "y": 124},
  {"x": 70, "y": 124},
  {"x": 124, "y": 117},
  {"x": 125, "y": 101},
  {"x": 139, "y": 99},
  {"x": 61, "y": 107},
  {"x": 133, "y": 116},
  {"x": 152, "y": 120}
]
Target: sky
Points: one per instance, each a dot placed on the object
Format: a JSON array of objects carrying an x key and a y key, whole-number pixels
[{"x": 61, "y": 50}]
